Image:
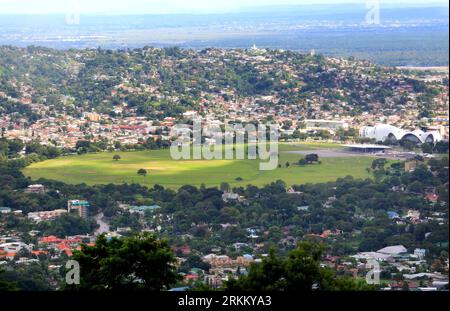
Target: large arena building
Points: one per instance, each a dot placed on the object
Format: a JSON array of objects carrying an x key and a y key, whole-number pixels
[{"x": 384, "y": 132}]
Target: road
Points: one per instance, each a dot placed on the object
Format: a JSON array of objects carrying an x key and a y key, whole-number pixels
[
  {"x": 103, "y": 226},
  {"x": 329, "y": 153},
  {"x": 342, "y": 153}
]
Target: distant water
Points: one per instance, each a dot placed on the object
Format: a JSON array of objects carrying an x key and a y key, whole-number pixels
[{"x": 404, "y": 37}]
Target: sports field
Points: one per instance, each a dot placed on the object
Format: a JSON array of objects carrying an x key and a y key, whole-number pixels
[{"x": 100, "y": 168}]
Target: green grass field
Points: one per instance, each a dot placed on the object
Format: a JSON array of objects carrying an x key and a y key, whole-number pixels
[{"x": 100, "y": 168}]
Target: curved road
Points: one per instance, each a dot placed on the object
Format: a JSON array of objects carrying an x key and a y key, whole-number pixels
[{"x": 103, "y": 226}]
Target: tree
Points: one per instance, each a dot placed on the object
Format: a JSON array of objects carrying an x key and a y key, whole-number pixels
[
  {"x": 117, "y": 145},
  {"x": 117, "y": 157},
  {"x": 416, "y": 187},
  {"x": 33, "y": 277},
  {"x": 407, "y": 144},
  {"x": 141, "y": 262},
  {"x": 83, "y": 144},
  {"x": 195, "y": 261},
  {"x": 303, "y": 267},
  {"x": 300, "y": 271},
  {"x": 224, "y": 187},
  {"x": 311, "y": 158},
  {"x": 67, "y": 225},
  {"x": 267, "y": 276},
  {"x": 441, "y": 147},
  {"x": 405, "y": 286},
  {"x": 142, "y": 172},
  {"x": 427, "y": 148},
  {"x": 6, "y": 285},
  {"x": 15, "y": 146},
  {"x": 302, "y": 162},
  {"x": 379, "y": 164}
]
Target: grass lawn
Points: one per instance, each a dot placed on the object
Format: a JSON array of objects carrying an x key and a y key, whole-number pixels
[{"x": 100, "y": 168}]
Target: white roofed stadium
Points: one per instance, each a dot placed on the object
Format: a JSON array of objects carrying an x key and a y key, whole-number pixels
[{"x": 385, "y": 132}]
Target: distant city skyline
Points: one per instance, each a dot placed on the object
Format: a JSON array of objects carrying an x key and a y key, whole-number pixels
[{"x": 167, "y": 6}]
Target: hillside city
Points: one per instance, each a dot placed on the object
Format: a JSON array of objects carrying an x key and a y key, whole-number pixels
[
  {"x": 153, "y": 89},
  {"x": 58, "y": 103}
]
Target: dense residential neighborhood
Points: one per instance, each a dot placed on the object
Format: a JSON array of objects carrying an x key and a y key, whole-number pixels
[
  {"x": 145, "y": 96},
  {"x": 60, "y": 103},
  {"x": 213, "y": 250}
]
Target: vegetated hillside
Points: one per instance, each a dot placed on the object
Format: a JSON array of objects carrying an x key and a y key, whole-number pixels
[{"x": 166, "y": 82}]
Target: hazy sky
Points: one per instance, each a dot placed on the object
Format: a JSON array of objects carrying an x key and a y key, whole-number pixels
[{"x": 158, "y": 6}]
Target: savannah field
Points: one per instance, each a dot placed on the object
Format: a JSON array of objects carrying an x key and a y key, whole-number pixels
[{"x": 100, "y": 168}]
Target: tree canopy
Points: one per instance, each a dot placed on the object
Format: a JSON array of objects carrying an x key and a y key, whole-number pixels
[
  {"x": 299, "y": 271},
  {"x": 142, "y": 172},
  {"x": 140, "y": 262},
  {"x": 6, "y": 285}
]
